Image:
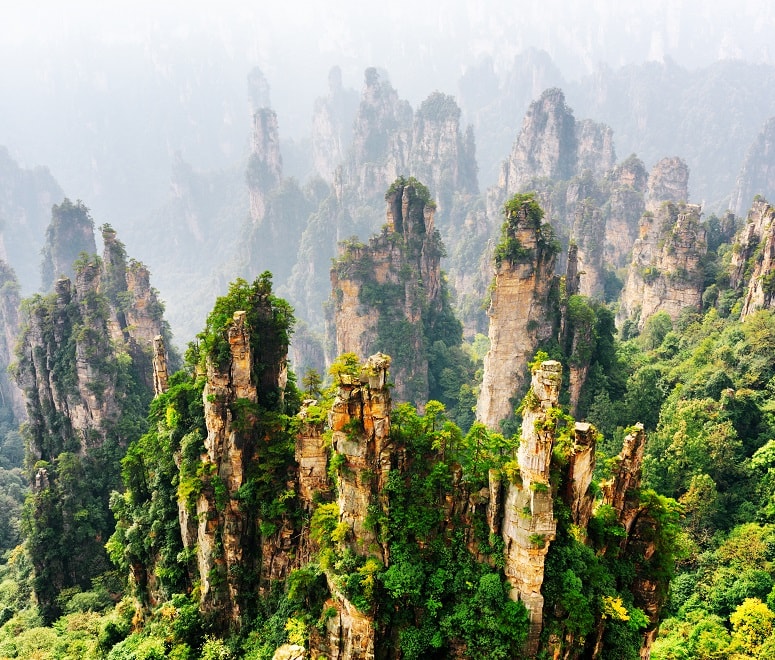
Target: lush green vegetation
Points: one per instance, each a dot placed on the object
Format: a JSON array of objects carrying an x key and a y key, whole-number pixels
[{"x": 524, "y": 207}]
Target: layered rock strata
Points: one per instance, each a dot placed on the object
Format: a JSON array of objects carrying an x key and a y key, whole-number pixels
[
  {"x": 755, "y": 259},
  {"x": 384, "y": 293},
  {"x": 360, "y": 422},
  {"x": 521, "y": 315},
  {"x": 665, "y": 273},
  {"x": 528, "y": 520}
]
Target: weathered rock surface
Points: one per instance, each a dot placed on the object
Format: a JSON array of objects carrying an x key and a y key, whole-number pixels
[
  {"x": 668, "y": 181},
  {"x": 385, "y": 293},
  {"x": 389, "y": 140},
  {"x": 528, "y": 520},
  {"x": 665, "y": 273},
  {"x": 757, "y": 175},
  {"x": 229, "y": 534},
  {"x": 82, "y": 368},
  {"x": 520, "y": 317},
  {"x": 755, "y": 259},
  {"x": 552, "y": 146},
  {"x": 360, "y": 422}
]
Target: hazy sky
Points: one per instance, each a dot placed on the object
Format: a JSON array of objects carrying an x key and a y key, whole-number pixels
[{"x": 98, "y": 73}]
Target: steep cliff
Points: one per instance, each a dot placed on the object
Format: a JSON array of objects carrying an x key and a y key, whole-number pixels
[
  {"x": 528, "y": 523},
  {"x": 552, "y": 146},
  {"x": 26, "y": 198},
  {"x": 753, "y": 263},
  {"x": 332, "y": 126},
  {"x": 668, "y": 182},
  {"x": 84, "y": 364},
  {"x": 11, "y": 399},
  {"x": 70, "y": 232},
  {"x": 265, "y": 165},
  {"x": 665, "y": 274},
  {"x": 757, "y": 174},
  {"x": 389, "y": 141},
  {"x": 246, "y": 451},
  {"x": 521, "y": 310},
  {"x": 389, "y": 294}
]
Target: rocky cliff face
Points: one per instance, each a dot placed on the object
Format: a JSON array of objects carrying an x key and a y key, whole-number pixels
[
  {"x": 753, "y": 264},
  {"x": 360, "y": 422},
  {"x": 11, "y": 399},
  {"x": 636, "y": 515},
  {"x": 70, "y": 232},
  {"x": 386, "y": 292},
  {"x": 244, "y": 451},
  {"x": 665, "y": 273},
  {"x": 389, "y": 141},
  {"x": 84, "y": 364},
  {"x": 757, "y": 175},
  {"x": 552, "y": 146},
  {"x": 623, "y": 210},
  {"x": 26, "y": 198},
  {"x": 528, "y": 520},
  {"x": 332, "y": 126},
  {"x": 265, "y": 166},
  {"x": 521, "y": 312},
  {"x": 668, "y": 182}
]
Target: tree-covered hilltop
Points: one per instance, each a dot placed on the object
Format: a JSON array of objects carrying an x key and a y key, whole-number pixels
[
  {"x": 257, "y": 519},
  {"x": 247, "y": 523},
  {"x": 84, "y": 363}
]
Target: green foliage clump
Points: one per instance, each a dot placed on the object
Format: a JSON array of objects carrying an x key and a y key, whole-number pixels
[
  {"x": 524, "y": 208},
  {"x": 269, "y": 320}
]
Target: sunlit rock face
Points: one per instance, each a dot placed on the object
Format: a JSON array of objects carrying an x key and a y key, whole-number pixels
[
  {"x": 754, "y": 257},
  {"x": 528, "y": 520},
  {"x": 665, "y": 273},
  {"x": 520, "y": 317},
  {"x": 391, "y": 285}
]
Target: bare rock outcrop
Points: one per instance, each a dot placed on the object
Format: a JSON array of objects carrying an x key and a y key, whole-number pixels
[
  {"x": 552, "y": 146},
  {"x": 384, "y": 293},
  {"x": 757, "y": 175},
  {"x": 755, "y": 259},
  {"x": 520, "y": 312},
  {"x": 363, "y": 449},
  {"x": 665, "y": 274},
  {"x": 668, "y": 181},
  {"x": 528, "y": 521}
]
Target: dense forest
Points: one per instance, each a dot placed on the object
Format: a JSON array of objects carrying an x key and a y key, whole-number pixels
[{"x": 416, "y": 418}]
